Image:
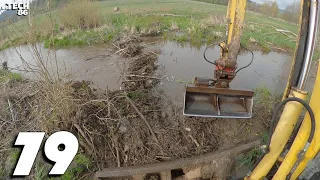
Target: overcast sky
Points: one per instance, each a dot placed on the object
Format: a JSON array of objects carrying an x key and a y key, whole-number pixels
[{"x": 282, "y": 3}]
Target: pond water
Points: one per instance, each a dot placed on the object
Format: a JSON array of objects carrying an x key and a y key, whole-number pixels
[
  {"x": 182, "y": 63},
  {"x": 93, "y": 64},
  {"x": 179, "y": 64}
]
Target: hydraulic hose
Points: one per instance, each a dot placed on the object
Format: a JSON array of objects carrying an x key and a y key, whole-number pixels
[
  {"x": 305, "y": 104},
  {"x": 252, "y": 57},
  {"x": 204, "y": 53},
  {"x": 312, "y": 118}
]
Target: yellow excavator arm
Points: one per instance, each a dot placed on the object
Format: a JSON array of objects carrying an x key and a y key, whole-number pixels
[
  {"x": 235, "y": 16},
  {"x": 307, "y": 141},
  {"x": 214, "y": 98}
]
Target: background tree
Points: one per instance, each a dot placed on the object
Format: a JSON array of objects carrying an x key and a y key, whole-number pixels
[
  {"x": 275, "y": 9},
  {"x": 292, "y": 12},
  {"x": 266, "y": 8},
  {"x": 253, "y": 6}
]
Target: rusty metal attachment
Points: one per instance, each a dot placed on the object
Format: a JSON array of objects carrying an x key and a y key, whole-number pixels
[
  {"x": 224, "y": 72},
  {"x": 196, "y": 167},
  {"x": 202, "y": 82}
]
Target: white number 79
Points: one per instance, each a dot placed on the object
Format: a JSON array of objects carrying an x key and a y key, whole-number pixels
[{"x": 32, "y": 142}]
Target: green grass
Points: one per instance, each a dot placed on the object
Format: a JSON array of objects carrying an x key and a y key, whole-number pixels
[
  {"x": 265, "y": 96},
  {"x": 141, "y": 16},
  {"x": 266, "y": 37},
  {"x": 264, "y": 136},
  {"x": 10, "y": 162},
  {"x": 80, "y": 38},
  {"x": 250, "y": 157},
  {"x": 9, "y": 76},
  {"x": 263, "y": 92},
  {"x": 2, "y": 174},
  {"x": 14, "y": 155},
  {"x": 40, "y": 172},
  {"x": 75, "y": 168},
  {"x": 308, "y": 97},
  {"x": 136, "y": 95}
]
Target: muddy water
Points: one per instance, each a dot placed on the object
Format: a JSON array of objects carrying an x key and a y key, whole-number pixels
[
  {"x": 93, "y": 64},
  {"x": 182, "y": 63},
  {"x": 179, "y": 64}
]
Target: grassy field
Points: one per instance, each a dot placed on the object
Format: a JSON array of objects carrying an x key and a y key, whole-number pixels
[{"x": 178, "y": 20}]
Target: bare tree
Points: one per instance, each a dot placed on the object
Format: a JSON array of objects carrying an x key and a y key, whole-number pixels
[
  {"x": 266, "y": 8},
  {"x": 275, "y": 9},
  {"x": 292, "y": 12}
]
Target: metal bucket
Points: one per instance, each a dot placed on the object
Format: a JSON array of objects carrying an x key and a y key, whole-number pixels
[{"x": 218, "y": 102}]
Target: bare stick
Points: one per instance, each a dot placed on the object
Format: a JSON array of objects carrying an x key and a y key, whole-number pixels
[
  {"x": 6, "y": 149},
  {"x": 173, "y": 15},
  {"x": 286, "y": 31},
  {"x": 120, "y": 50},
  {"x": 116, "y": 46},
  {"x": 83, "y": 135},
  {"x": 144, "y": 119},
  {"x": 100, "y": 56},
  {"x": 11, "y": 111},
  {"x": 276, "y": 29},
  {"x": 194, "y": 140},
  {"x": 154, "y": 53},
  {"x": 118, "y": 156},
  {"x": 109, "y": 111},
  {"x": 133, "y": 75},
  {"x": 3, "y": 124}
]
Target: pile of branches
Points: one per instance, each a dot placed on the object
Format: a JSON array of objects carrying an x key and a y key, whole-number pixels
[
  {"x": 125, "y": 127},
  {"x": 135, "y": 125},
  {"x": 128, "y": 46}
]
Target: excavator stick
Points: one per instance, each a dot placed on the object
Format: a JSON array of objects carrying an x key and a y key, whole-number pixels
[{"x": 213, "y": 97}]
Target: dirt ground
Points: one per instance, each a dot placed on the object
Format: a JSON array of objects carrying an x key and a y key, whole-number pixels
[{"x": 135, "y": 125}]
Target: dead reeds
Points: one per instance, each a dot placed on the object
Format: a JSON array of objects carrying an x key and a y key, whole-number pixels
[{"x": 81, "y": 14}]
